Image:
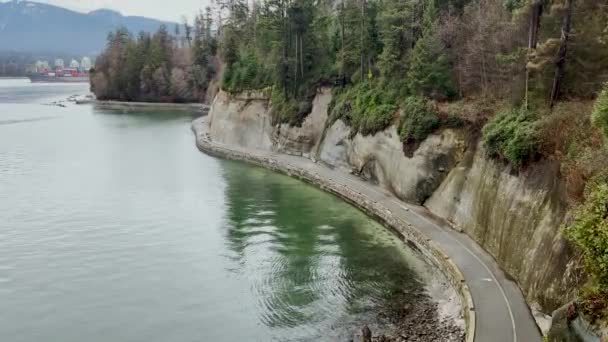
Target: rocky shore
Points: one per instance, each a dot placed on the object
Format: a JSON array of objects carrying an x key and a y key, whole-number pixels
[{"x": 417, "y": 320}]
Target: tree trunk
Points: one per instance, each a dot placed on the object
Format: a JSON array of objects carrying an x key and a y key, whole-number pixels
[
  {"x": 362, "y": 40},
  {"x": 560, "y": 61},
  {"x": 295, "y": 69},
  {"x": 302, "y": 57},
  {"x": 285, "y": 43},
  {"x": 342, "y": 76},
  {"x": 535, "y": 15}
]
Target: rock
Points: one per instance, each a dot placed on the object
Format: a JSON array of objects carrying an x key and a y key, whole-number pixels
[{"x": 366, "y": 334}]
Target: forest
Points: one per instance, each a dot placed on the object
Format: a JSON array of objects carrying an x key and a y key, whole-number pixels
[
  {"x": 159, "y": 67},
  {"x": 528, "y": 77}
]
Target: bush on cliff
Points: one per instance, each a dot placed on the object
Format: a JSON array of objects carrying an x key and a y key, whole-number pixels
[
  {"x": 589, "y": 231},
  {"x": 419, "y": 119},
  {"x": 599, "y": 117},
  {"x": 365, "y": 107},
  {"x": 512, "y": 135}
]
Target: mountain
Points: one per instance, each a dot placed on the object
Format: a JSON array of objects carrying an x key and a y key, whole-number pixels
[{"x": 28, "y": 26}]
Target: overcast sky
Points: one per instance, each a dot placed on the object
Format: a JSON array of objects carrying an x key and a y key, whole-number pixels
[{"x": 160, "y": 9}]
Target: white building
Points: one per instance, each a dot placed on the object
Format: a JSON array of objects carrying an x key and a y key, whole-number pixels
[
  {"x": 86, "y": 64},
  {"x": 59, "y": 63},
  {"x": 42, "y": 66},
  {"x": 74, "y": 64}
]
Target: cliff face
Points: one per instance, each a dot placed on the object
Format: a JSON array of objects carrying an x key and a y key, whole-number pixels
[
  {"x": 380, "y": 159},
  {"x": 513, "y": 215},
  {"x": 306, "y": 139},
  {"x": 242, "y": 120},
  {"x": 245, "y": 120},
  {"x": 516, "y": 217}
]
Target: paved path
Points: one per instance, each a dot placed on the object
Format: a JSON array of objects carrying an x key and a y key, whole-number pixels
[{"x": 502, "y": 314}]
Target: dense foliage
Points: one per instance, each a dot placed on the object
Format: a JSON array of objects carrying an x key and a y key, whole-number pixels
[
  {"x": 600, "y": 111},
  {"x": 589, "y": 230},
  {"x": 418, "y": 121},
  {"x": 158, "y": 67},
  {"x": 366, "y": 107},
  {"x": 512, "y": 135}
]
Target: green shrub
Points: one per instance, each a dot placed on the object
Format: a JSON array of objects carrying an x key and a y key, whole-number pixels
[
  {"x": 418, "y": 120},
  {"x": 589, "y": 231},
  {"x": 365, "y": 107},
  {"x": 512, "y": 135},
  {"x": 599, "y": 117}
]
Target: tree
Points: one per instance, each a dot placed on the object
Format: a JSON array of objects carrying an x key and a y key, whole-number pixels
[
  {"x": 429, "y": 71},
  {"x": 397, "y": 33},
  {"x": 151, "y": 68},
  {"x": 180, "y": 90},
  {"x": 560, "y": 61},
  {"x": 187, "y": 30}
]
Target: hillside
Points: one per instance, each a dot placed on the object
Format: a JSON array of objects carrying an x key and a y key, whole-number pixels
[{"x": 27, "y": 26}]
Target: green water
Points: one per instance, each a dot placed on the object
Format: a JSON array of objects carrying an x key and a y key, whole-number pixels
[{"x": 113, "y": 227}]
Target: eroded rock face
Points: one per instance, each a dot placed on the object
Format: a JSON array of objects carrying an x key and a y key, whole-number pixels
[
  {"x": 380, "y": 159},
  {"x": 306, "y": 139},
  {"x": 242, "y": 120},
  {"x": 245, "y": 120},
  {"x": 412, "y": 179},
  {"x": 335, "y": 144},
  {"x": 516, "y": 217}
]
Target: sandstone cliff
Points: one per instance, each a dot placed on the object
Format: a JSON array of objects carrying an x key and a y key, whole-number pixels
[{"x": 513, "y": 215}]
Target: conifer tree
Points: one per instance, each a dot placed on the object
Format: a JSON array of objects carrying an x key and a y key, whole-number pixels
[{"x": 429, "y": 70}]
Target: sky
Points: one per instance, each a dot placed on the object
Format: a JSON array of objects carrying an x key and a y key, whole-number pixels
[{"x": 171, "y": 10}]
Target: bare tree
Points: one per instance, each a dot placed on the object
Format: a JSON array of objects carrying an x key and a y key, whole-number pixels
[{"x": 560, "y": 61}]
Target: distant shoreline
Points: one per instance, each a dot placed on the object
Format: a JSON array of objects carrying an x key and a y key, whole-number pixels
[{"x": 124, "y": 105}]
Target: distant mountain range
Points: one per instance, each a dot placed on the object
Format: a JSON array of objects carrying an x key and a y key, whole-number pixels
[{"x": 27, "y": 26}]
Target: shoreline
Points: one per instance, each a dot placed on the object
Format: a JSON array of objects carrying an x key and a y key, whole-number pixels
[
  {"x": 125, "y": 105},
  {"x": 404, "y": 230}
]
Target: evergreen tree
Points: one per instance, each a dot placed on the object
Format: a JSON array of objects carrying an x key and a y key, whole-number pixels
[
  {"x": 398, "y": 21},
  {"x": 429, "y": 70}
]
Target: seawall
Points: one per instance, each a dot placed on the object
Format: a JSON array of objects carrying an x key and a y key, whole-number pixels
[
  {"x": 405, "y": 230},
  {"x": 155, "y": 106},
  {"x": 514, "y": 215}
]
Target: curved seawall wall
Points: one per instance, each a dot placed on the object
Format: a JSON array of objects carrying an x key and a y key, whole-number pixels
[{"x": 515, "y": 216}]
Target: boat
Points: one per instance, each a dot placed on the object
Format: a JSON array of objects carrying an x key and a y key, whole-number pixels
[{"x": 60, "y": 76}]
